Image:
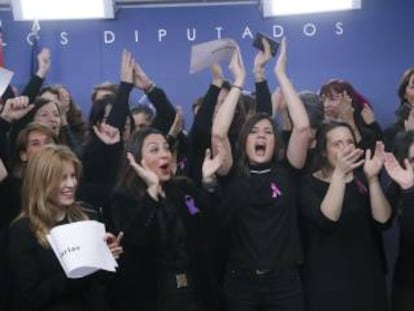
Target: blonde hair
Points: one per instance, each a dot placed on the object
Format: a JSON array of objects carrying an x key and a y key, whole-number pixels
[{"x": 41, "y": 183}]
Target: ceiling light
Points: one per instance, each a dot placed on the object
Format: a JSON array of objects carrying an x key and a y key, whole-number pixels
[
  {"x": 293, "y": 7},
  {"x": 62, "y": 9}
]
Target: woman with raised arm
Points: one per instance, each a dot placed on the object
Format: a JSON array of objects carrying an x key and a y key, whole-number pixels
[
  {"x": 343, "y": 211},
  {"x": 49, "y": 188},
  {"x": 259, "y": 209},
  {"x": 166, "y": 222}
]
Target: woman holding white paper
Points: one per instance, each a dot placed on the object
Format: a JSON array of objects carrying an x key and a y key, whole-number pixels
[{"x": 48, "y": 200}]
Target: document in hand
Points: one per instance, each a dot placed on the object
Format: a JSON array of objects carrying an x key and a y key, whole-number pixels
[
  {"x": 81, "y": 249},
  {"x": 5, "y": 78},
  {"x": 205, "y": 54}
]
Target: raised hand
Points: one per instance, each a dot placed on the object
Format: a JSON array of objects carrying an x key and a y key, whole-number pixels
[
  {"x": 16, "y": 108},
  {"x": 262, "y": 57},
  {"x": 109, "y": 135},
  {"x": 346, "y": 111},
  {"x": 402, "y": 176},
  {"x": 3, "y": 171},
  {"x": 149, "y": 177},
  {"x": 127, "y": 67},
  {"x": 114, "y": 243},
  {"x": 43, "y": 62},
  {"x": 141, "y": 80},
  {"x": 236, "y": 67},
  {"x": 348, "y": 159},
  {"x": 211, "y": 165},
  {"x": 367, "y": 114},
  {"x": 64, "y": 99},
  {"x": 178, "y": 124},
  {"x": 373, "y": 166}
]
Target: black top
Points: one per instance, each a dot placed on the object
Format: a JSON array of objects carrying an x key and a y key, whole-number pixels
[
  {"x": 344, "y": 260},
  {"x": 260, "y": 219},
  {"x": 403, "y": 202},
  {"x": 40, "y": 282},
  {"x": 163, "y": 237}
]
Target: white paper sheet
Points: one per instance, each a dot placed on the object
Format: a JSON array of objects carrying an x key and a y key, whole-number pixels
[
  {"x": 205, "y": 54},
  {"x": 5, "y": 78},
  {"x": 81, "y": 249}
]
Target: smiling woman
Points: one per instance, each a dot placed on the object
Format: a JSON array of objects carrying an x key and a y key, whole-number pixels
[{"x": 49, "y": 187}]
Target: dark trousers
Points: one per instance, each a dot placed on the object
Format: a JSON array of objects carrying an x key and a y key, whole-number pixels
[{"x": 275, "y": 290}]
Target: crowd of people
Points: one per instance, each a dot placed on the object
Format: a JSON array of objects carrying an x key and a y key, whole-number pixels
[{"x": 272, "y": 200}]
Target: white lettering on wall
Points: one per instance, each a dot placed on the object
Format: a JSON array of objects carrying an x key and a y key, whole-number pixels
[
  {"x": 109, "y": 37},
  {"x": 309, "y": 29},
  {"x": 278, "y": 31},
  {"x": 247, "y": 33},
  {"x": 64, "y": 38},
  {"x": 218, "y": 29},
  {"x": 191, "y": 37},
  {"x": 339, "y": 30},
  {"x": 161, "y": 33}
]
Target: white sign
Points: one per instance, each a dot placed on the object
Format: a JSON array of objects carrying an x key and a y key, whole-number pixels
[
  {"x": 5, "y": 78},
  {"x": 205, "y": 54},
  {"x": 81, "y": 249}
]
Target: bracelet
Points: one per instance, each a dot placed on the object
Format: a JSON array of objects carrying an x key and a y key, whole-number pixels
[
  {"x": 210, "y": 186},
  {"x": 237, "y": 87},
  {"x": 150, "y": 88}
]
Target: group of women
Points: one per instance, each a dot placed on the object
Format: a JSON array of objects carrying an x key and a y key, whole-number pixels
[{"x": 232, "y": 216}]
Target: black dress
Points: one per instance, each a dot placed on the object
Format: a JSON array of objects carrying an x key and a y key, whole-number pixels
[{"x": 344, "y": 260}]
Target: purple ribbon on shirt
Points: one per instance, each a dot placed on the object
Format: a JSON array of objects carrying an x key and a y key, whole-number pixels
[
  {"x": 191, "y": 207},
  {"x": 275, "y": 190},
  {"x": 361, "y": 187}
]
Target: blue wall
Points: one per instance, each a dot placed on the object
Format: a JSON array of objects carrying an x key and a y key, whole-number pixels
[{"x": 370, "y": 47}]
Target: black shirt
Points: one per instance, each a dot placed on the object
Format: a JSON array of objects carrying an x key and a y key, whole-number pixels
[{"x": 260, "y": 214}]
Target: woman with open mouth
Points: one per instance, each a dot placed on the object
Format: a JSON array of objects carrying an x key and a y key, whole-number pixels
[
  {"x": 259, "y": 209},
  {"x": 166, "y": 222}
]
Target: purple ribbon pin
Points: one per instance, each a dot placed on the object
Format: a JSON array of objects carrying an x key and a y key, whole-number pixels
[
  {"x": 192, "y": 208},
  {"x": 275, "y": 190},
  {"x": 182, "y": 164},
  {"x": 361, "y": 187}
]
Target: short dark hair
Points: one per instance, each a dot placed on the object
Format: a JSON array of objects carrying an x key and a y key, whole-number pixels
[
  {"x": 243, "y": 161},
  {"x": 144, "y": 109},
  {"x": 104, "y": 86}
]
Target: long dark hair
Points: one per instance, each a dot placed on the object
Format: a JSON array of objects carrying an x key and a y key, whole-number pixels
[
  {"x": 128, "y": 180},
  {"x": 243, "y": 160},
  {"x": 320, "y": 160}
]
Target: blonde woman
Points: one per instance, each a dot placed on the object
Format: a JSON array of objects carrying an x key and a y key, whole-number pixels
[{"x": 48, "y": 200}]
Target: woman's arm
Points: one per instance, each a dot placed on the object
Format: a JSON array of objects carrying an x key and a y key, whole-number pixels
[
  {"x": 225, "y": 114},
  {"x": 299, "y": 139},
  {"x": 380, "y": 208}
]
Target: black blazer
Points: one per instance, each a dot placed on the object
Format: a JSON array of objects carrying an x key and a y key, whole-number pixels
[
  {"x": 137, "y": 284},
  {"x": 39, "y": 282}
]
